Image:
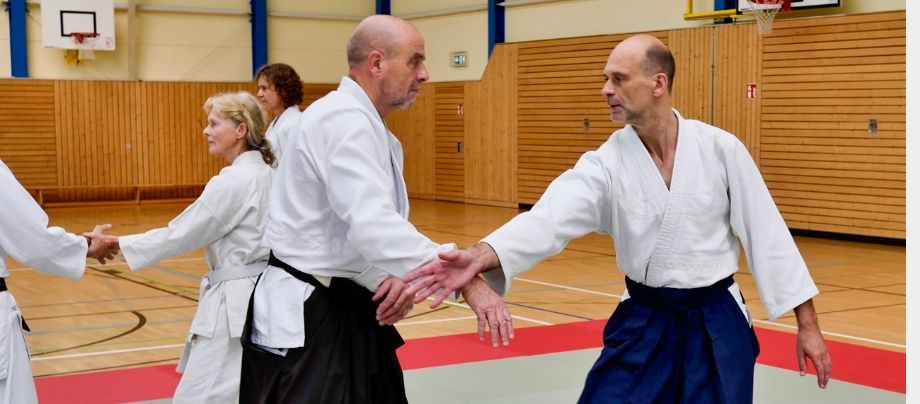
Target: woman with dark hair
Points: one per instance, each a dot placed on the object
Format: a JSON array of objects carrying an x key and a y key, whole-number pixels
[
  {"x": 280, "y": 92},
  {"x": 228, "y": 220}
]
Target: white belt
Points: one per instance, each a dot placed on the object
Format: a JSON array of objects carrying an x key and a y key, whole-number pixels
[{"x": 219, "y": 275}]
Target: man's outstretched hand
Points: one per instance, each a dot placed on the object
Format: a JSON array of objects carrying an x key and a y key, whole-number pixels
[{"x": 449, "y": 272}]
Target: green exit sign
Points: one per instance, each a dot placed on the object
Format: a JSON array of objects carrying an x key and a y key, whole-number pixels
[{"x": 458, "y": 59}]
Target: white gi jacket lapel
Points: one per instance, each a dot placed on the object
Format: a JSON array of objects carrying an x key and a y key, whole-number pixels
[
  {"x": 672, "y": 202},
  {"x": 396, "y": 158}
]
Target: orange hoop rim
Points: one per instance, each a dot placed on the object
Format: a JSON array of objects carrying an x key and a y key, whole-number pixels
[
  {"x": 787, "y": 4},
  {"x": 79, "y": 37}
]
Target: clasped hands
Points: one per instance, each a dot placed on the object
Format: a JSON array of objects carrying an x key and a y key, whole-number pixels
[{"x": 102, "y": 246}]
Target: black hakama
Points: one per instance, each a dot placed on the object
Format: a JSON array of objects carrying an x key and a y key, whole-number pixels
[{"x": 347, "y": 356}]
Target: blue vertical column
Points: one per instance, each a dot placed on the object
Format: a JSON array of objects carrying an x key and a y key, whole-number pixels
[
  {"x": 724, "y": 5},
  {"x": 19, "y": 51},
  {"x": 259, "y": 21},
  {"x": 383, "y": 7},
  {"x": 496, "y": 24}
]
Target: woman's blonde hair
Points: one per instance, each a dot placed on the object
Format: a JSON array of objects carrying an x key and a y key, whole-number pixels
[{"x": 242, "y": 108}]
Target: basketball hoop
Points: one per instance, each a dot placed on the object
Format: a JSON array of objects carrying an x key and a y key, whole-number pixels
[
  {"x": 765, "y": 11},
  {"x": 85, "y": 42}
]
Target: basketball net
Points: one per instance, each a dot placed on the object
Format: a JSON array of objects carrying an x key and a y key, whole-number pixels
[
  {"x": 765, "y": 11},
  {"x": 85, "y": 42}
]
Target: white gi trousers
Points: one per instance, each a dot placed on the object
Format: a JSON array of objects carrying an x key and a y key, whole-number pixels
[
  {"x": 212, "y": 366},
  {"x": 16, "y": 384}
]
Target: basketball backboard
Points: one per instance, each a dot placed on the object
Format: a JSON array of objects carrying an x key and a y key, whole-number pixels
[
  {"x": 744, "y": 6},
  {"x": 61, "y": 18}
]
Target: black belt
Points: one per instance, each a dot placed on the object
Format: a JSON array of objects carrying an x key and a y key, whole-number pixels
[
  {"x": 4, "y": 289},
  {"x": 346, "y": 293},
  {"x": 673, "y": 297}
]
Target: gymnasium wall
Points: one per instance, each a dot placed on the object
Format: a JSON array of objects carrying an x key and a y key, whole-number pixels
[
  {"x": 819, "y": 81},
  {"x": 207, "y": 41},
  {"x": 533, "y": 110},
  {"x": 188, "y": 44},
  {"x": 72, "y": 141},
  {"x": 822, "y": 81}
]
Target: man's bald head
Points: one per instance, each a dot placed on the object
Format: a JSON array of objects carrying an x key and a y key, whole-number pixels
[
  {"x": 377, "y": 32},
  {"x": 656, "y": 57}
]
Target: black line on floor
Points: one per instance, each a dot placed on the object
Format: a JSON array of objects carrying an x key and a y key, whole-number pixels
[
  {"x": 118, "y": 275},
  {"x": 107, "y": 312},
  {"x": 141, "y": 320}
]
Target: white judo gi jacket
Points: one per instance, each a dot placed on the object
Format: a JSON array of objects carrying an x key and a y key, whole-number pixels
[
  {"x": 228, "y": 221},
  {"x": 682, "y": 237},
  {"x": 282, "y": 129},
  {"x": 25, "y": 236},
  {"x": 339, "y": 208}
]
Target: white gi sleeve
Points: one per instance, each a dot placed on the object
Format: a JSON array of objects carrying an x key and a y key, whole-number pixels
[
  {"x": 575, "y": 203},
  {"x": 214, "y": 214},
  {"x": 357, "y": 188},
  {"x": 25, "y": 235},
  {"x": 782, "y": 278}
]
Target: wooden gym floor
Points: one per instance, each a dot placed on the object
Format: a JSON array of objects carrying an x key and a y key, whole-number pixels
[{"x": 115, "y": 319}]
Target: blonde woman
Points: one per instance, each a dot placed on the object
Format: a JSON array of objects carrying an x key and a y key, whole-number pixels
[{"x": 227, "y": 220}]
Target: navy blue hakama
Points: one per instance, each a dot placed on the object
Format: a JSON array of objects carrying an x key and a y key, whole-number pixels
[{"x": 666, "y": 345}]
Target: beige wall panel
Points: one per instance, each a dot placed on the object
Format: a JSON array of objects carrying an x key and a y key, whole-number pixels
[
  {"x": 460, "y": 32},
  {"x": 179, "y": 47},
  {"x": 404, "y": 7},
  {"x": 5, "y": 62},
  {"x": 293, "y": 41},
  {"x": 351, "y": 8},
  {"x": 215, "y": 4},
  {"x": 563, "y": 19}
]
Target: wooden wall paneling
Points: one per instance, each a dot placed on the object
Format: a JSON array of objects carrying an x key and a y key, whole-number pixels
[
  {"x": 823, "y": 79},
  {"x": 27, "y": 143},
  {"x": 58, "y": 133},
  {"x": 114, "y": 137},
  {"x": 490, "y": 109},
  {"x": 693, "y": 56},
  {"x": 415, "y": 129},
  {"x": 559, "y": 84},
  {"x": 737, "y": 64},
  {"x": 449, "y": 131}
]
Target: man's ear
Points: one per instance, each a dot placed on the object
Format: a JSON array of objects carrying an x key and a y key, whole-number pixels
[
  {"x": 375, "y": 61},
  {"x": 661, "y": 84}
]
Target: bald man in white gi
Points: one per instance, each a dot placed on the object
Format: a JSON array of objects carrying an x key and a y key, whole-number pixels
[
  {"x": 338, "y": 229},
  {"x": 676, "y": 195}
]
